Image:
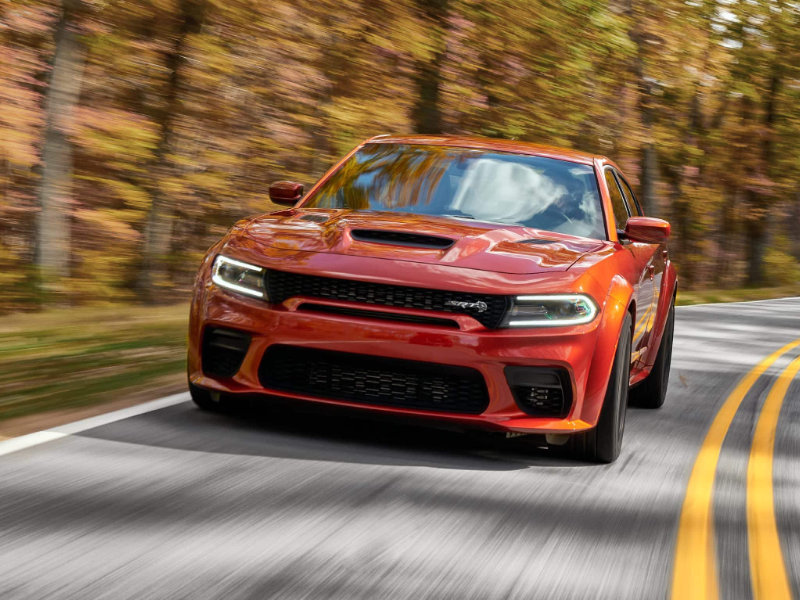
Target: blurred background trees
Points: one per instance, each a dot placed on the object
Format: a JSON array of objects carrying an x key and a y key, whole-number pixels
[{"x": 132, "y": 134}]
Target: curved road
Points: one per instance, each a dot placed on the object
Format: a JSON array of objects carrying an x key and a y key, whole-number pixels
[{"x": 176, "y": 503}]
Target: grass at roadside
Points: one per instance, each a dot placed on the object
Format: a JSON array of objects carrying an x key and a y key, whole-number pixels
[
  {"x": 736, "y": 295},
  {"x": 68, "y": 358}
]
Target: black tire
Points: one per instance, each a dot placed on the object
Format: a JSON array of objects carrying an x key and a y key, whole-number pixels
[
  {"x": 207, "y": 400},
  {"x": 604, "y": 442},
  {"x": 652, "y": 392}
]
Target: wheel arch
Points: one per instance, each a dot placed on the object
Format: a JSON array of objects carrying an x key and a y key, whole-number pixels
[{"x": 618, "y": 304}]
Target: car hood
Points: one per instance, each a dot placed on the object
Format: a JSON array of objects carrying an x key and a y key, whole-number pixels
[{"x": 446, "y": 241}]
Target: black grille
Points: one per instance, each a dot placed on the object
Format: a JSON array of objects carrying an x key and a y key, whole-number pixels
[
  {"x": 223, "y": 351},
  {"x": 282, "y": 285},
  {"x": 374, "y": 380},
  {"x": 373, "y": 314},
  {"x": 401, "y": 238},
  {"x": 541, "y": 400}
]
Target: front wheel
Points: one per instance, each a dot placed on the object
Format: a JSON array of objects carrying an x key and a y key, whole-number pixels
[{"x": 604, "y": 442}]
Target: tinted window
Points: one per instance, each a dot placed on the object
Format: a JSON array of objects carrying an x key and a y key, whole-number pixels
[
  {"x": 617, "y": 201},
  {"x": 633, "y": 203},
  {"x": 533, "y": 191}
]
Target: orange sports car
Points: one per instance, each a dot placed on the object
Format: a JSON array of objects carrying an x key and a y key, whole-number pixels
[{"x": 487, "y": 283}]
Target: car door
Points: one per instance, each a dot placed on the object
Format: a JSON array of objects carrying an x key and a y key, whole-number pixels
[
  {"x": 659, "y": 251},
  {"x": 643, "y": 256}
]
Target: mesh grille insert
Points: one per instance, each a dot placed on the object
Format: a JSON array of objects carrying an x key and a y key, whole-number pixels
[
  {"x": 373, "y": 314},
  {"x": 488, "y": 309},
  {"x": 374, "y": 380}
]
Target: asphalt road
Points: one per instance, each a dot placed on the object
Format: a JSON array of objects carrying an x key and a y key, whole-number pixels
[{"x": 177, "y": 503}]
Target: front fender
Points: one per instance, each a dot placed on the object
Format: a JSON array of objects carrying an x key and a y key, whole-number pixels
[{"x": 615, "y": 307}]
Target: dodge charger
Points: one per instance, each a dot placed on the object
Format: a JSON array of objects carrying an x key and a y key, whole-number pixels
[{"x": 490, "y": 284}]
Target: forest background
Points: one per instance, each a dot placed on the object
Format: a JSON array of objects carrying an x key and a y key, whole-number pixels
[{"x": 133, "y": 134}]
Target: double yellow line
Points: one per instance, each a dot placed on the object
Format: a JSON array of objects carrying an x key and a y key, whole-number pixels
[{"x": 695, "y": 570}]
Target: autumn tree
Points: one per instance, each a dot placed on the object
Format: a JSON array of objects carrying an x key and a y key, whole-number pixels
[
  {"x": 25, "y": 39},
  {"x": 132, "y": 134},
  {"x": 427, "y": 112},
  {"x": 156, "y": 242},
  {"x": 55, "y": 185}
]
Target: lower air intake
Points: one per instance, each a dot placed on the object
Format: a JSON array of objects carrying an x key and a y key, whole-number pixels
[
  {"x": 223, "y": 351},
  {"x": 365, "y": 379}
]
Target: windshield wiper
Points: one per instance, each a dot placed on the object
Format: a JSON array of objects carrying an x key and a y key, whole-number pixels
[
  {"x": 470, "y": 217},
  {"x": 459, "y": 216}
]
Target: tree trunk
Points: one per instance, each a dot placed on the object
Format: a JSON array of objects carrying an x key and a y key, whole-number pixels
[
  {"x": 648, "y": 156},
  {"x": 158, "y": 227},
  {"x": 649, "y": 167},
  {"x": 55, "y": 186},
  {"x": 757, "y": 224},
  {"x": 320, "y": 136},
  {"x": 755, "y": 228},
  {"x": 427, "y": 114},
  {"x": 680, "y": 218},
  {"x": 727, "y": 238}
]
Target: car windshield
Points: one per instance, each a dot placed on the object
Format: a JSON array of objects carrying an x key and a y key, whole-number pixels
[{"x": 513, "y": 189}]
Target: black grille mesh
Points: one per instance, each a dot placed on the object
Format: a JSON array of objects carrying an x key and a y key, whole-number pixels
[
  {"x": 544, "y": 401},
  {"x": 374, "y": 314},
  {"x": 282, "y": 285},
  {"x": 375, "y": 380}
]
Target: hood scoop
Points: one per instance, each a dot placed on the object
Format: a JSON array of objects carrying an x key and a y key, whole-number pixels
[{"x": 401, "y": 238}]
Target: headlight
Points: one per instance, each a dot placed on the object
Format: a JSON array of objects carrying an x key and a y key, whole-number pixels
[
  {"x": 238, "y": 276},
  {"x": 551, "y": 311}
]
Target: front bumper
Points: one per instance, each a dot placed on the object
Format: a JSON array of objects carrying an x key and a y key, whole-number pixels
[{"x": 470, "y": 345}]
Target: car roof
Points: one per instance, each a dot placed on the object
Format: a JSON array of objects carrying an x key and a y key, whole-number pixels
[{"x": 498, "y": 145}]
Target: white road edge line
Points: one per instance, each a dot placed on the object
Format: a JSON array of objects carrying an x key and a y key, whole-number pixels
[
  {"x": 739, "y": 302},
  {"x": 26, "y": 441},
  {"x": 62, "y": 431}
]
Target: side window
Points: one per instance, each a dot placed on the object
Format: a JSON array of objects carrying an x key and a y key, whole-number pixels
[
  {"x": 621, "y": 212},
  {"x": 630, "y": 197}
]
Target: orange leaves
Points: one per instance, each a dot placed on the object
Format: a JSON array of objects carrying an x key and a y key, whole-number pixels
[{"x": 207, "y": 101}]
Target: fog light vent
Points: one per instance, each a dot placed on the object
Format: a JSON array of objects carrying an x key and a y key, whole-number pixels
[
  {"x": 223, "y": 351},
  {"x": 541, "y": 391},
  {"x": 548, "y": 400}
]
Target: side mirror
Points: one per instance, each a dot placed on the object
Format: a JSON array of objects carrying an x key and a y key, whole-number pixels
[
  {"x": 286, "y": 193},
  {"x": 647, "y": 230}
]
